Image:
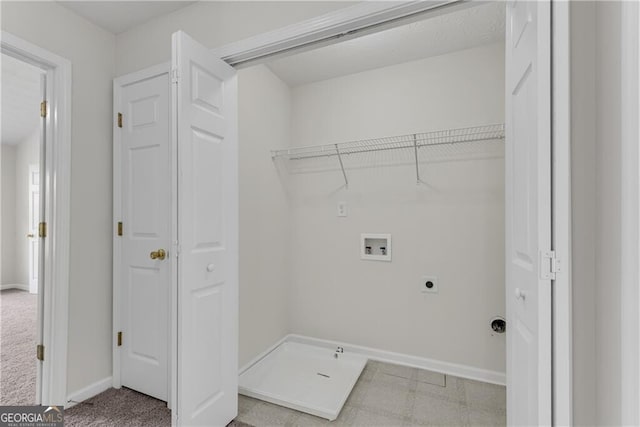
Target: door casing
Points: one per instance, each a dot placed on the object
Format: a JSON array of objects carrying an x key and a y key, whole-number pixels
[
  {"x": 53, "y": 302},
  {"x": 562, "y": 324},
  {"x": 630, "y": 208}
]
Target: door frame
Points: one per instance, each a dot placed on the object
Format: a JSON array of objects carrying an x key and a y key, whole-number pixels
[
  {"x": 118, "y": 84},
  {"x": 53, "y": 304},
  {"x": 630, "y": 214},
  {"x": 561, "y": 288}
]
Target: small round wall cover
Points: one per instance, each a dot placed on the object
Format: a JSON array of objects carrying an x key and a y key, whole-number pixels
[{"x": 498, "y": 325}]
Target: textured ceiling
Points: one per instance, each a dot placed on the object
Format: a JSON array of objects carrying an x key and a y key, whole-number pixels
[
  {"x": 463, "y": 29},
  {"x": 21, "y": 99},
  {"x": 119, "y": 16}
]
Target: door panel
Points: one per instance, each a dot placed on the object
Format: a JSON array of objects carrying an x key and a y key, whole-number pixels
[
  {"x": 528, "y": 212},
  {"x": 34, "y": 221},
  {"x": 207, "y": 316},
  {"x": 142, "y": 329},
  {"x": 147, "y": 220},
  {"x": 146, "y": 210}
]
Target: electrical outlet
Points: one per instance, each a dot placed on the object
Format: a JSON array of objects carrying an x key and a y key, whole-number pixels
[
  {"x": 342, "y": 208},
  {"x": 429, "y": 284}
]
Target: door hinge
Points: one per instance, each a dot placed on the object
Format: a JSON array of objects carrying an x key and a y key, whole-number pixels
[
  {"x": 43, "y": 109},
  {"x": 549, "y": 265},
  {"x": 119, "y": 339},
  {"x": 175, "y": 77},
  {"x": 120, "y": 228},
  {"x": 42, "y": 229},
  {"x": 40, "y": 352},
  {"x": 119, "y": 120}
]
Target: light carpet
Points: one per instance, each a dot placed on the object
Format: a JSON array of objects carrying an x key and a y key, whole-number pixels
[
  {"x": 122, "y": 408},
  {"x": 17, "y": 347}
]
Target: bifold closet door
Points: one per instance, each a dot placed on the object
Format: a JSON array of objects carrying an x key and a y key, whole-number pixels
[
  {"x": 528, "y": 212},
  {"x": 205, "y": 125},
  {"x": 146, "y": 218}
]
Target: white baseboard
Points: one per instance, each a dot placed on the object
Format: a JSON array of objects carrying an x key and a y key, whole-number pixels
[
  {"x": 462, "y": 371},
  {"x": 88, "y": 392},
  {"x": 14, "y": 286}
]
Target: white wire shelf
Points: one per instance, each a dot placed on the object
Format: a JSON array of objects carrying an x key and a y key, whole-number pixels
[{"x": 414, "y": 144}]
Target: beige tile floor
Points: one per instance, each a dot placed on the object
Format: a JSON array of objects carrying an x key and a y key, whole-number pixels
[{"x": 390, "y": 395}]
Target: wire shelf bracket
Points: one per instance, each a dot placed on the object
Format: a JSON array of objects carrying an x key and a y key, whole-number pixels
[
  {"x": 415, "y": 151},
  {"x": 344, "y": 174}
]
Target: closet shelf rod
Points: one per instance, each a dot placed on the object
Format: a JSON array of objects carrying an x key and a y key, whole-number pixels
[
  {"x": 371, "y": 150},
  {"x": 412, "y": 141}
]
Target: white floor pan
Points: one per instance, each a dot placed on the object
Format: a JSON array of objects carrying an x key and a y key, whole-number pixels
[{"x": 304, "y": 377}]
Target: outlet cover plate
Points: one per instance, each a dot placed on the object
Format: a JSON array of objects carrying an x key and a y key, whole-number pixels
[
  {"x": 423, "y": 284},
  {"x": 342, "y": 209}
]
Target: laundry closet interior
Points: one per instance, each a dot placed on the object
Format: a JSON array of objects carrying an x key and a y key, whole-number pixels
[{"x": 370, "y": 209}]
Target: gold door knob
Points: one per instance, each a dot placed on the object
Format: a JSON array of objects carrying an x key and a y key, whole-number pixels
[
  {"x": 159, "y": 254},
  {"x": 31, "y": 235}
]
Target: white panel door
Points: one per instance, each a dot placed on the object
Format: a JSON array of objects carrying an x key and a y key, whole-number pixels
[
  {"x": 34, "y": 221},
  {"x": 205, "y": 119},
  {"x": 528, "y": 212},
  {"x": 146, "y": 216}
]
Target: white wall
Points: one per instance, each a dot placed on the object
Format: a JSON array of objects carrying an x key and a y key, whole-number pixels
[
  {"x": 452, "y": 228},
  {"x": 27, "y": 154},
  {"x": 584, "y": 203},
  {"x": 608, "y": 213},
  {"x": 8, "y": 215},
  {"x": 91, "y": 51},
  {"x": 265, "y": 261},
  {"x": 599, "y": 348}
]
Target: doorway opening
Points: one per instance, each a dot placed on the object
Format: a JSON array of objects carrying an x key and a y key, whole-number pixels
[
  {"x": 41, "y": 214},
  {"x": 24, "y": 89},
  {"x": 529, "y": 254},
  {"x": 390, "y": 185}
]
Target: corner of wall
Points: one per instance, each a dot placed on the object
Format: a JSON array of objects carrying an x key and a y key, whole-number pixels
[
  {"x": 584, "y": 209},
  {"x": 264, "y": 107}
]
